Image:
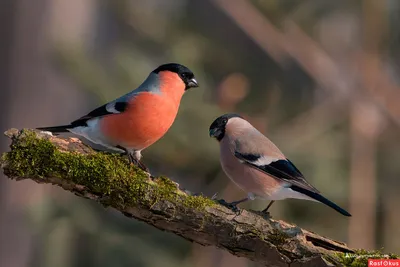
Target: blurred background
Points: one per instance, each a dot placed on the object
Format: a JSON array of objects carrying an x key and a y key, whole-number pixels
[{"x": 319, "y": 77}]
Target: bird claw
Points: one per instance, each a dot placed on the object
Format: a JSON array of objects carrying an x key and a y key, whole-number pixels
[
  {"x": 266, "y": 214},
  {"x": 232, "y": 206},
  {"x": 141, "y": 166}
]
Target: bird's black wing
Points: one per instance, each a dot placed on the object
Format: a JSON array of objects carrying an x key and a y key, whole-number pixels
[
  {"x": 107, "y": 109},
  {"x": 282, "y": 169},
  {"x": 285, "y": 170}
]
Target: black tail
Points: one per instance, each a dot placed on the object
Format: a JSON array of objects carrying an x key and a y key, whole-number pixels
[
  {"x": 320, "y": 198},
  {"x": 56, "y": 129}
]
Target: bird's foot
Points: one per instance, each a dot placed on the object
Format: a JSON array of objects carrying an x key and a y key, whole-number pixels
[
  {"x": 265, "y": 211},
  {"x": 266, "y": 214},
  {"x": 139, "y": 164},
  {"x": 143, "y": 167},
  {"x": 134, "y": 158},
  {"x": 232, "y": 205}
]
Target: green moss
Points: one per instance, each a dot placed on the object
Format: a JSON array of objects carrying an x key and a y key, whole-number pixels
[
  {"x": 198, "y": 202},
  {"x": 169, "y": 188},
  {"x": 107, "y": 175},
  {"x": 170, "y": 191},
  {"x": 278, "y": 238},
  {"x": 360, "y": 257}
]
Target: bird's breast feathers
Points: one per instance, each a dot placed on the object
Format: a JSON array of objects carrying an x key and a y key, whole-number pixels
[{"x": 146, "y": 119}]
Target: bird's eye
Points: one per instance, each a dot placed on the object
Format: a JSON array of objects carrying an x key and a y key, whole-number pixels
[
  {"x": 225, "y": 121},
  {"x": 184, "y": 75}
]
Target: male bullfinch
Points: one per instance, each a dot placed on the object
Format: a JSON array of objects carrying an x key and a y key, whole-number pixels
[
  {"x": 258, "y": 167},
  {"x": 136, "y": 120}
]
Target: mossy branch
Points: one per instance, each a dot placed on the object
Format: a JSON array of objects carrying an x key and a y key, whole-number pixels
[{"x": 111, "y": 181}]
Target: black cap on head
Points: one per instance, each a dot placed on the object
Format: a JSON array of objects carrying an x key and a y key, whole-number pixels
[
  {"x": 217, "y": 128},
  {"x": 184, "y": 73}
]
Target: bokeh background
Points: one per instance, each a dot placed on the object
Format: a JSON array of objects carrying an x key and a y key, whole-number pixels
[{"x": 319, "y": 77}]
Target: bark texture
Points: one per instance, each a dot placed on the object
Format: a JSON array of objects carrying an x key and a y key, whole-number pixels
[{"x": 111, "y": 181}]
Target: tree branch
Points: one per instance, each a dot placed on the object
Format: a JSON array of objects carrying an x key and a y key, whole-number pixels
[{"x": 109, "y": 180}]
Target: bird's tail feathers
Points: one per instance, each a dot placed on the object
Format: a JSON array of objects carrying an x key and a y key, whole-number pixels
[
  {"x": 320, "y": 198},
  {"x": 56, "y": 129}
]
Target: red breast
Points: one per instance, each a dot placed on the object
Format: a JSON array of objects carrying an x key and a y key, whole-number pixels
[{"x": 149, "y": 115}]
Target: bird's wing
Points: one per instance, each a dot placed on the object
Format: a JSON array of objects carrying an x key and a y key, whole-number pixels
[
  {"x": 114, "y": 107},
  {"x": 278, "y": 167}
]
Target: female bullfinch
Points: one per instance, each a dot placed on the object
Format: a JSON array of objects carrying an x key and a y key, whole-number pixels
[{"x": 258, "y": 167}]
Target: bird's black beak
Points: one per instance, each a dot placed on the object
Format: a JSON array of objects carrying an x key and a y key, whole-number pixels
[
  {"x": 192, "y": 83},
  {"x": 215, "y": 132}
]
